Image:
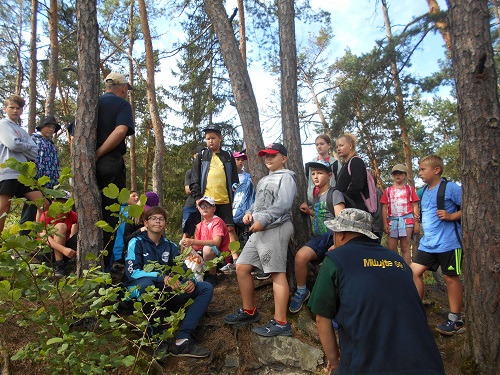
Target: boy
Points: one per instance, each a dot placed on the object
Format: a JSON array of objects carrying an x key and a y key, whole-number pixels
[
  {"x": 63, "y": 240},
  {"x": 441, "y": 243},
  {"x": 400, "y": 212},
  {"x": 151, "y": 246},
  {"x": 266, "y": 249},
  {"x": 322, "y": 240},
  {"x": 211, "y": 236},
  {"x": 15, "y": 143},
  {"x": 214, "y": 174}
]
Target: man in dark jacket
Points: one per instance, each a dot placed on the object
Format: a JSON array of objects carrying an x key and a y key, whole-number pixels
[{"x": 151, "y": 246}]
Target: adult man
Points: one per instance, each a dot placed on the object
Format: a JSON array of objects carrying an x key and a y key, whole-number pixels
[
  {"x": 114, "y": 123},
  {"x": 369, "y": 291}
]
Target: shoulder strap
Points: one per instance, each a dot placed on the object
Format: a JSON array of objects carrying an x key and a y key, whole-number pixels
[
  {"x": 440, "y": 194},
  {"x": 329, "y": 199}
]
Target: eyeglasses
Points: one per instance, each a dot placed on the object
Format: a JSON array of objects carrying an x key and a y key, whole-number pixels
[
  {"x": 161, "y": 219},
  {"x": 205, "y": 206}
]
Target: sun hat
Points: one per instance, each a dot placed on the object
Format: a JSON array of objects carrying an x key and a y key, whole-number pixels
[
  {"x": 207, "y": 199},
  {"x": 48, "y": 120},
  {"x": 399, "y": 168},
  {"x": 352, "y": 220},
  {"x": 117, "y": 79}
]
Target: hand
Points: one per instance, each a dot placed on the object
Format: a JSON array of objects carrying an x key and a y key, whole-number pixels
[
  {"x": 247, "y": 219},
  {"x": 444, "y": 215},
  {"x": 331, "y": 248},
  {"x": 174, "y": 286},
  {"x": 416, "y": 228},
  {"x": 189, "y": 286},
  {"x": 304, "y": 208},
  {"x": 387, "y": 229},
  {"x": 256, "y": 227},
  {"x": 187, "y": 242}
]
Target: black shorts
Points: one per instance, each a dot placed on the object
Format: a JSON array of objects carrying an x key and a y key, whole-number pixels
[
  {"x": 225, "y": 212},
  {"x": 14, "y": 188},
  {"x": 450, "y": 261}
]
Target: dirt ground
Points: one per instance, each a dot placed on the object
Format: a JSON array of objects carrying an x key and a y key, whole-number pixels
[{"x": 226, "y": 341}]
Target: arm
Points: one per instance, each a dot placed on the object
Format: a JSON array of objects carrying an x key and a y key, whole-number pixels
[
  {"x": 358, "y": 178},
  {"x": 416, "y": 215},
  {"x": 112, "y": 141},
  {"x": 134, "y": 267},
  {"x": 195, "y": 185},
  {"x": 304, "y": 208},
  {"x": 385, "y": 216},
  {"x": 446, "y": 216},
  {"x": 15, "y": 143},
  {"x": 328, "y": 341}
]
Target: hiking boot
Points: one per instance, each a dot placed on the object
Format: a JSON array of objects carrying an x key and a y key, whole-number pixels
[
  {"x": 298, "y": 300},
  {"x": 241, "y": 318},
  {"x": 230, "y": 267},
  {"x": 188, "y": 349},
  {"x": 262, "y": 275},
  {"x": 273, "y": 329},
  {"x": 450, "y": 327},
  {"x": 212, "y": 279},
  {"x": 59, "y": 269}
]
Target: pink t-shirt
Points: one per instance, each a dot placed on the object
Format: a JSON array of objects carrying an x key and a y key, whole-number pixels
[
  {"x": 215, "y": 227},
  {"x": 399, "y": 200}
]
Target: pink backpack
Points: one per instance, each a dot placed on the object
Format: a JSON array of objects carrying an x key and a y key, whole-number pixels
[{"x": 371, "y": 202}]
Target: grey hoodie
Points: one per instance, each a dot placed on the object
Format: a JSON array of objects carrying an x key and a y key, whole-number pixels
[
  {"x": 274, "y": 197},
  {"x": 14, "y": 143}
]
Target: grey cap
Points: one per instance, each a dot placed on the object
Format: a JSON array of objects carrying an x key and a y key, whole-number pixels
[{"x": 352, "y": 220}]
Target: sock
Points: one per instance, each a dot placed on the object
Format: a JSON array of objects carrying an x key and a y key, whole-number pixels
[
  {"x": 281, "y": 323},
  {"x": 454, "y": 316},
  {"x": 250, "y": 312},
  {"x": 302, "y": 289},
  {"x": 179, "y": 342}
]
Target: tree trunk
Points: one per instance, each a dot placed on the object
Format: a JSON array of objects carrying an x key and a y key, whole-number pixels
[
  {"x": 479, "y": 116},
  {"x": 18, "y": 46},
  {"x": 290, "y": 117},
  {"x": 441, "y": 25},
  {"x": 244, "y": 97},
  {"x": 400, "y": 109},
  {"x": 133, "y": 160},
  {"x": 152, "y": 103},
  {"x": 243, "y": 40},
  {"x": 53, "y": 60},
  {"x": 33, "y": 69},
  {"x": 86, "y": 193}
]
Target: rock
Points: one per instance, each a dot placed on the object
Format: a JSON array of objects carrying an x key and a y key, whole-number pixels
[
  {"x": 287, "y": 351},
  {"x": 232, "y": 361}
]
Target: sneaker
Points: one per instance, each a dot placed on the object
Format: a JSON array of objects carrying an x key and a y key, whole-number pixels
[
  {"x": 161, "y": 353},
  {"x": 298, "y": 300},
  {"x": 241, "y": 318},
  {"x": 212, "y": 279},
  {"x": 59, "y": 268},
  {"x": 188, "y": 349},
  {"x": 262, "y": 275},
  {"x": 273, "y": 329},
  {"x": 230, "y": 267},
  {"x": 450, "y": 327}
]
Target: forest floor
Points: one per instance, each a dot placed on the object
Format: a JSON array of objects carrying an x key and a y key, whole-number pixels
[{"x": 223, "y": 340}]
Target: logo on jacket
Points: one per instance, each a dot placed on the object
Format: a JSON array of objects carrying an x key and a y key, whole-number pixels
[{"x": 165, "y": 256}]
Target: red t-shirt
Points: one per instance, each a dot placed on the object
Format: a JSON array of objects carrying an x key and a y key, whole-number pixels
[
  {"x": 215, "y": 227},
  {"x": 399, "y": 200},
  {"x": 70, "y": 218}
]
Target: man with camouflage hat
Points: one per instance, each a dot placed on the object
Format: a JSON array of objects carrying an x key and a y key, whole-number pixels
[{"x": 369, "y": 291}]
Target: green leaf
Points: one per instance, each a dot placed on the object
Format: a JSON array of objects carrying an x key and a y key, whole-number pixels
[
  {"x": 135, "y": 210},
  {"x": 43, "y": 180},
  {"x": 54, "y": 340},
  {"x": 178, "y": 269},
  {"x": 124, "y": 196},
  {"x": 90, "y": 256},
  {"x": 26, "y": 180},
  {"x": 104, "y": 226},
  {"x": 111, "y": 191},
  {"x": 234, "y": 245},
  {"x": 115, "y": 207},
  {"x": 128, "y": 360}
]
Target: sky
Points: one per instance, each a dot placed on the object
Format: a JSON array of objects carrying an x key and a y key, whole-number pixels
[{"x": 356, "y": 24}]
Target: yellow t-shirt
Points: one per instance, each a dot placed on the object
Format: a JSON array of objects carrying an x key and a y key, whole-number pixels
[{"x": 216, "y": 181}]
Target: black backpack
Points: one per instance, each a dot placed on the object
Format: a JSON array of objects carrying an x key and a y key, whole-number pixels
[{"x": 349, "y": 203}]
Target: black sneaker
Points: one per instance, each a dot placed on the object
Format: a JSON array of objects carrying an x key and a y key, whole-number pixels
[
  {"x": 188, "y": 349},
  {"x": 273, "y": 329},
  {"x": 262, "y": 275},
  {"x": 212, "y": 279},
  {"x": 59, "y": 269},
  {"x": 241, "y": 318},
  {"x": 450, "y": 327},
  {"x": 161, "y": 353}
]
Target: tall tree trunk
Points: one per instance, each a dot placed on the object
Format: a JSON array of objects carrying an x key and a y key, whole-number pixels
[
  {"x": 86, "y": 193},
  {"x": 441, "y": 25},
  {"x": 479, "y": 117},
  {"x": 290, "y": 117},
  {"x": 53, "y": 60},
  {"x": 243, "y": 38},
  {"x": 497, "y": 15},
  {"x": 133, "y": 160},
  {"x": 244, "y": 97},
  {"x": 147, "y": 128},
  {"x": 400, "y": 109},
  {"x": 33, "y": 68},
  {"x": 152, "y": 103},
  {"x": 319, "y": 110},
  {"x": 19, "y": 44}
]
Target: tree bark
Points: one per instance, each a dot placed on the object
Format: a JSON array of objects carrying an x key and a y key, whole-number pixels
[
  {"x": 290, "y": 117},
  {"x": 133, "y": 160},
  {"x": 18, "y": 45},
  {"x": 53, "y": 60},
  {"x": 479, "y": 115},
  {"x": 442, "y": 26},
  {"x": 400, "y": 109},
  {"x": 244, "y": 97},
  {"x": 33, "y": 69},
  {"x": 243, "y": 40},
  {"x": 86, "y": 193},
  {"x": 152, "y": 103}
]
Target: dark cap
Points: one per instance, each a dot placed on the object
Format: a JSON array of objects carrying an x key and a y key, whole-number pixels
[
  {"x": 272, "y": 149},
  {"x": 48, "y": 120},
  {"x": 214, "y": 128},
  {"x": 319, "y": 164}
]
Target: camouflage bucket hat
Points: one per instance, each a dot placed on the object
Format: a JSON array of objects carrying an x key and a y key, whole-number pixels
[{"x": 352, "y": 220}]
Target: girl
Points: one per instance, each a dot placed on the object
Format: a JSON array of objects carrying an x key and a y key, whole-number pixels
[{"x": 323, "y": 146}]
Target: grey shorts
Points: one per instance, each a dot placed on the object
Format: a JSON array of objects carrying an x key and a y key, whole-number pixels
[{"x": 267, "y": 250}]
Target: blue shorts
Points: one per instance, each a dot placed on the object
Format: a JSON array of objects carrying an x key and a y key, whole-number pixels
[
  {"x": 320, "y": 244},
  {"x": 215, "y": 249}
]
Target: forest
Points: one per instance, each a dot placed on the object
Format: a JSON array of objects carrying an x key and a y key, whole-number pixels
[{"x": 56, "y": 54}]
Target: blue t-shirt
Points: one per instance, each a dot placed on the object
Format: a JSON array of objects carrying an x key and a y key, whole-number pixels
[
  {"x": 439, "y": 235},
  {"x": 113, "y": 111}
]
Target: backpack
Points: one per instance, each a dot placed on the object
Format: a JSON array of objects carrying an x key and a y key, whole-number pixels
[
  {"x": 440, "y": 205},
  {"x": 371, "y": 201},
  {"x": 349, "y": 203}
]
